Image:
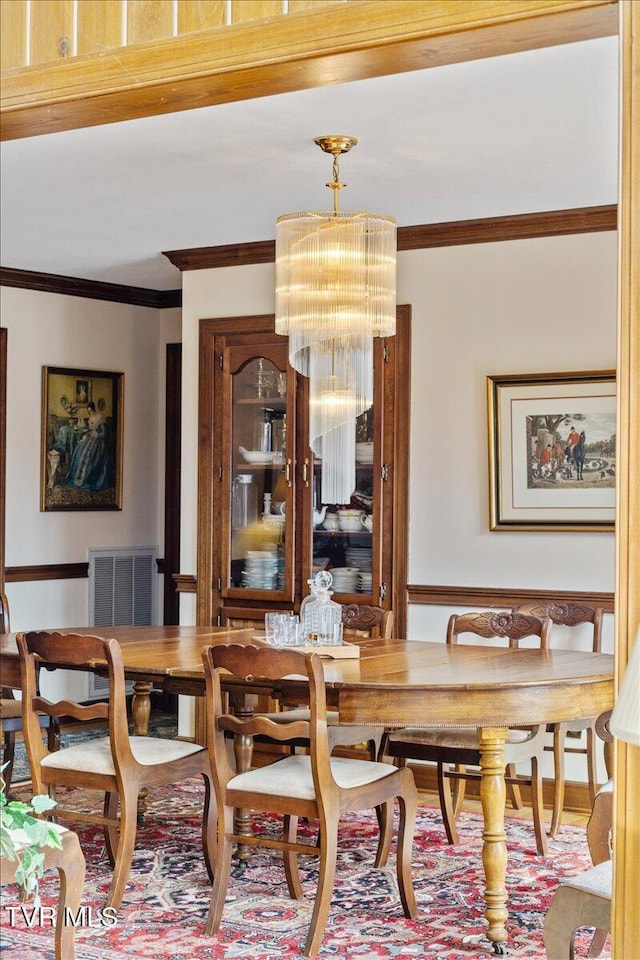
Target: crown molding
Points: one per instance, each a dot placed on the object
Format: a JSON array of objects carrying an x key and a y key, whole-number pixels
[
  {"x": 92, "y": 289},
  {"x": 550, "y": 223},
  {"x": 229, "y": 255},
  {"x": 523, "y": 226}
]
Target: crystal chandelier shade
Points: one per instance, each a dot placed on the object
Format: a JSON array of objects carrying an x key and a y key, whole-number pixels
[
  {"x": 335, "y": 292},
  {"x": 338, "y": 451},
  {"x": 335, "y": 277},
  {"x": 340, "y": 383}
]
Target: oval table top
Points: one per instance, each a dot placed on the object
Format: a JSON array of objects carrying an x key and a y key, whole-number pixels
[{"x": 395, "y": 681}]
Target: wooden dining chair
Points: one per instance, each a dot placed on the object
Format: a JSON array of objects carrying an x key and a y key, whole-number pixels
[
  {"x": 453, "y": 748},
  {"x": 11, "y": 707},
  {"x": 585, "y": 900},
  {"x": 117, "y": 765},
  {"x": 316, "y": 785},
  {"x": 564, "y": 734},
  {"x": 360, "y": 622}
]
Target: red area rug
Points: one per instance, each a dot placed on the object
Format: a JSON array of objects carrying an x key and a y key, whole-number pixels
[{"x": 166, "y": 900}]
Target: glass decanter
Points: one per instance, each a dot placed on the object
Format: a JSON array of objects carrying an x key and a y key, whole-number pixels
[{"x": 321, "y": 616}]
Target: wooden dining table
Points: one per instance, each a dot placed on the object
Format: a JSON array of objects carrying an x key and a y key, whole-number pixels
[{"x": 397, "y": 683}]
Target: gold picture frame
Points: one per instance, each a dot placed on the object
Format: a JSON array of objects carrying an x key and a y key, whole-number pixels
[
  {"x": 552, "y": 451},
  {"x": 81, "y": 442}
]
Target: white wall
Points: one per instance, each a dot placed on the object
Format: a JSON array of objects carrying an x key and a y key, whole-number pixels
[
  {"x": 227, "y": 292},
  {"x": 527, "y": 306},
  {"x": 47, "y": 329}
]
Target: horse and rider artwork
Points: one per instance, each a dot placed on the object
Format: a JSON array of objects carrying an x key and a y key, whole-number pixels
[
  {"x": 552, "y": 451},
  {"x": 572, "y": 450}
]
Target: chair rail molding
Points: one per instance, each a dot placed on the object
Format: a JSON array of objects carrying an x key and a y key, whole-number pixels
[{"x": 476, "y": 597}]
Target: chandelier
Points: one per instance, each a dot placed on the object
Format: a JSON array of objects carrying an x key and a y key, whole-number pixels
[{"x": 335, "y": 292}]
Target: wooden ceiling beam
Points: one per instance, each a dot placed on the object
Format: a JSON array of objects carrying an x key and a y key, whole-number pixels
[{"x": 293, "y": 52}]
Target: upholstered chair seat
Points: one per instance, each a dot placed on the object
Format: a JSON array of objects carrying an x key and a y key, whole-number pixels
[
  {"x": 96, "y": 755},
  {"x": 295, "y": 771}
]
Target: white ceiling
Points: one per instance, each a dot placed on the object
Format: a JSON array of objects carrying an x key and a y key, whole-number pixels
[{"x": 515, "y": 134}]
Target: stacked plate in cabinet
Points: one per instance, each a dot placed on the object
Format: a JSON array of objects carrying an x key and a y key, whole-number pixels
[
  {"x": 344, "y": 579},
  {"x": 359, "y": 557},
  {"x": 261, "y": 570},
  {"x": 364, "y": 582}
]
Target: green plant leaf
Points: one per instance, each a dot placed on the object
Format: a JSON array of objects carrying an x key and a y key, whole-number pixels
[
  {"x": 38, "y": 833},
  {"x": 7, "y": 848},
  {"x": 42, "y": 802}
]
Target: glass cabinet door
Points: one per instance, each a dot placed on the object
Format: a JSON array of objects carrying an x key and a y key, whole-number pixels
[
  {"x": 260, "y": 473},
  {"x": 262, "y": 525},
  {"x": 346, "y": 536}
]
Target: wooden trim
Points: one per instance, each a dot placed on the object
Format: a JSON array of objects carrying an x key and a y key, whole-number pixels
[
  {"x": 55, "y": 571},
  {"x": 551, "y": 223},
  {"x": 401, "y": 375},
  {"x": 524, "y": 226},
  {"x": 185, "y": 583},
  {"x": 47, "y": 571},
  {"x": 626, "y": 814},
  {"x": 260, "y": 58},
  {"x": 228, "y": 255},
  {"x": 3, "y": 448},
  {"x": 172, "y": 471},
  {"x": 576, "y": 796},
  {"x": 477, "y": 597},
  {"x": 92, "y": 289}
]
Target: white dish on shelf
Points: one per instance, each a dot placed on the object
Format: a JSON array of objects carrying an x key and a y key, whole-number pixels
[
  {"x": 256, "y": 456},
  {"x": 273, "y": 520},
  {"x": 364, "y": 452}
]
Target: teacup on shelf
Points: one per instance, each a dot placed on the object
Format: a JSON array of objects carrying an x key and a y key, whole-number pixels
[{"x": 331, "y": 522}]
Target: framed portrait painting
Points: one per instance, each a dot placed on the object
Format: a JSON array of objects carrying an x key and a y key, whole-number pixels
[
  {"x": 81, "y": 445},
  {"x": 552, "y": 451}
]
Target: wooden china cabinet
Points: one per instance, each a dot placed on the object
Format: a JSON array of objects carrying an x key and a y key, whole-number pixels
[{"x": 262, "y": 528}]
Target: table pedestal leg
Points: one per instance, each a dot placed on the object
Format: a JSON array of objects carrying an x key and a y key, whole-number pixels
[
  {"x": 141, "y": 708},
  {"x": 494, "y": 851},
  {"x": 141, "y": 711}
]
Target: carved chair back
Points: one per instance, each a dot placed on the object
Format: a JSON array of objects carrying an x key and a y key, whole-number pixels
[
  {"x": 492, "y": 624},
  {"x": 568, "y": 615}
]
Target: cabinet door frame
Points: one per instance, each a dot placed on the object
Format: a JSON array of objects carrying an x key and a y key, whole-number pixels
[
  {"x": 236, "y": 356},
  {"x": 393, "y": 390},
  {"x": 211, "y": 451}
]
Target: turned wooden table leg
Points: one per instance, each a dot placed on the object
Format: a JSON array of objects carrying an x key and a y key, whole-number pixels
[
  {"x": 494, "y": 851},
  {"x": 141, "y": 712},
  {"x": 141, "y": 708}
]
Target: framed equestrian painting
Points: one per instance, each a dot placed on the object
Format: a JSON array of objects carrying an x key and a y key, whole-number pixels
[
  {"x": 81, "y": 444},
  {"x": 552, "y": 451}
]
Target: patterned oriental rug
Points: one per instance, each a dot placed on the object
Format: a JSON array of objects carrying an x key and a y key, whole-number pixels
[{"x": 166, "y": 900}]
